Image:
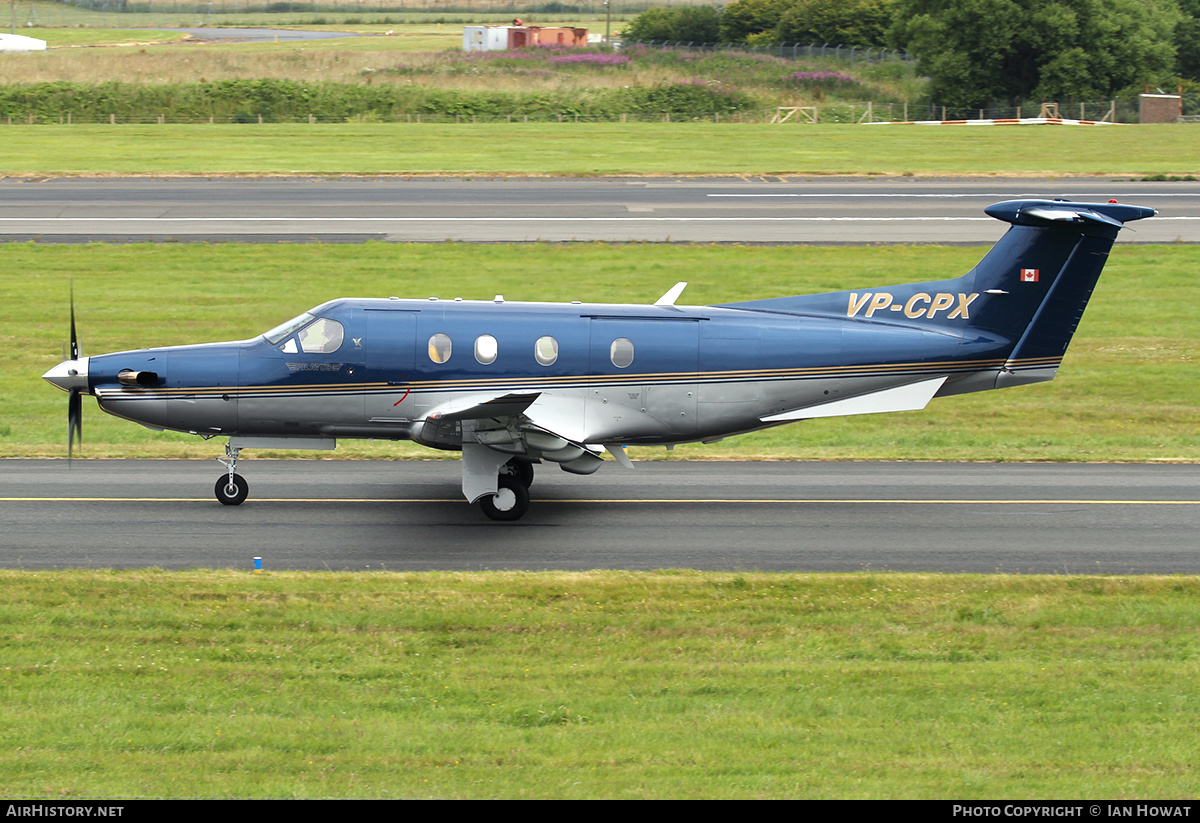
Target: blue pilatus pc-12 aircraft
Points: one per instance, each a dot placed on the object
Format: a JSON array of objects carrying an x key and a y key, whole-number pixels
[{"x": 513, "y": 384}]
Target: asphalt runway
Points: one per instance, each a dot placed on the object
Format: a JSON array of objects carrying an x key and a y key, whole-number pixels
[
  {"x": 317, "y": 514},
  {"x": 66, "y": 210},
  {"x": 248, "y": 35},
  {"x": 382, "y": 515}
]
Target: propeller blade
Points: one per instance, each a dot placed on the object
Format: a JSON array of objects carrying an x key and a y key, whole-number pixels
[
  {"x": 74, "y": 336},
  {"x": 74, "y": 399},
  {"x": 74, "y": 420}
]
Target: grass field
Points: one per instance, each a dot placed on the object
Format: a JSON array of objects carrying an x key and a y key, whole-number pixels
[
  {"x": 596, "y": 149},
  {"x": 604, "y": 684},
  {"x": 1126, "y": 391}
]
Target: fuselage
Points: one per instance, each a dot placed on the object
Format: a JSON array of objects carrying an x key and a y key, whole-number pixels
[{"x": 610, "y": 373}]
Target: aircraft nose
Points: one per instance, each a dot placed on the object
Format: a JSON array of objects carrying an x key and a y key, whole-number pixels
[{"x": 69, "y": 375}]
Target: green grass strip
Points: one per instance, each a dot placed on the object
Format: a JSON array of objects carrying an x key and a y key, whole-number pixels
[
  {"x": 601, "y": 684},
  {"x": 586, "y": 149},
  {"x": 1126, "y": 391}
]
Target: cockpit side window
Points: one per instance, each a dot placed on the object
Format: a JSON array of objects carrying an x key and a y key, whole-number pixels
[
  {"x": 323, "y": 336},
  {"x": 308, "y": 334}
]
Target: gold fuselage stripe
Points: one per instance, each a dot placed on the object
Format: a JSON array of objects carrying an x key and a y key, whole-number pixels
[{"x": 569, "y": 381}]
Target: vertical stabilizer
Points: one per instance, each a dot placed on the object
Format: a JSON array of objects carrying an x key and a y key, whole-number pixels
[{"x": 1043, "y": 288}]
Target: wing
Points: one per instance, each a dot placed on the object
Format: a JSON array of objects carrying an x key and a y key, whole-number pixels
[
  {"x": 479, "y": 407},
  {"x": 526, "y": 425}
]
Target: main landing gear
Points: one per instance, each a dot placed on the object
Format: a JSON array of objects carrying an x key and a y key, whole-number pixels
[
  {"x": 511, "y": 500},
  {"x": 231, "y": 488}
]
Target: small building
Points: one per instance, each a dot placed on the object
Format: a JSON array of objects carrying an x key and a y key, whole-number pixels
[
  {"x": 503, "y": 38},
  {"x": 1159, "y": 108},
  {"x": 485, "y": 38},
  {"x": 19, "y": 42}
]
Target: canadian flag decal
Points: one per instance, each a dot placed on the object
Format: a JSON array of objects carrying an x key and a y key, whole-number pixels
[{"x": 1029, "y": 275}]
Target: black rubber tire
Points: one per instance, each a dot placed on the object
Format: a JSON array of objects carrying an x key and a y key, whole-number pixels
[
  {"x": 520, "y": 469},
  {"x": 510, "y": 502},
  {"x": 231, "y": 496}
]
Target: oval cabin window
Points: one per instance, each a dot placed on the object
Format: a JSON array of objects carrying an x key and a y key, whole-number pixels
[
  {"x": 439, "y": 348},
  {"x": 485, "y": 348},
  {"x": 621, "y": 352},
  {"x": 546, "y": 350}
]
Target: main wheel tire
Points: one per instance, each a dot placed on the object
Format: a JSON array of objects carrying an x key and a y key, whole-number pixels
[
  {"x": 231, "y": 494},
  {"x": 522, "y": 470},
  {"x": 510, "y": 502}
]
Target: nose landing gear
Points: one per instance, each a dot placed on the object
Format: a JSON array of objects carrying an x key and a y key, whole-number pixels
[{"x": 231, "y": 488}]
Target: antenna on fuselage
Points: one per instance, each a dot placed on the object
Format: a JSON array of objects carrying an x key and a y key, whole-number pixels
[{"x": 672, "y": 295}]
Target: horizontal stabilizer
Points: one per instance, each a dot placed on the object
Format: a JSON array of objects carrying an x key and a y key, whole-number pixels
[
  {"x": 911, "y": 397},
  {"x": 1045, "y": 212}
]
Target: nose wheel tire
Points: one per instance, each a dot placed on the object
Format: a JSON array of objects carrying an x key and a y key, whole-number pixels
[
  {"x": 510, "y": 501},
  {"x": 231, "y": 490}
]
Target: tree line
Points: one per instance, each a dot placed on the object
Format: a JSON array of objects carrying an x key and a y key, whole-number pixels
[{"x": 975, "y": 52}]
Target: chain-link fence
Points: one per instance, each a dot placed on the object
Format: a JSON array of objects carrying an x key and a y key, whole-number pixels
[
  {"x": 1190, "y": 107},
  {"x": 1109, "y": 111},
  {"x": 842, "y": 113},
  {"x": 1106, "y": 111}
]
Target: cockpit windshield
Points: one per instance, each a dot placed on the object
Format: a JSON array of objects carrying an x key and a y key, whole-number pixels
[{"x": 285, "y": 330}]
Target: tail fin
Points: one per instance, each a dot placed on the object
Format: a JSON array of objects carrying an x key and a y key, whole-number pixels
[
  {"x": 1048, "y": 264},
  {"x": 1027, "y": 294}
]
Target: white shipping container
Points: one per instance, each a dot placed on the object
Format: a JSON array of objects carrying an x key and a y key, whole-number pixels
[{"x": 485, "y": 38}]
